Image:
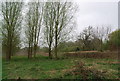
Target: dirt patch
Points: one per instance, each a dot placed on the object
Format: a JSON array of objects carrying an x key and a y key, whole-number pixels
[
  {"x": 114, "y": 62},
  {"x": 52, "y": 72}
]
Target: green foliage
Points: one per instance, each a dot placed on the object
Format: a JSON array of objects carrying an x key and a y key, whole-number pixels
[
  {"x": 41, "y": 68},
  {"x": 68, "y": 47},
  {"x": 114, "y": 38},
  {"x": 105, "y": 45}
]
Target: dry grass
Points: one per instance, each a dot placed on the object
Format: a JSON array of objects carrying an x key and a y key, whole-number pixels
[
  {"x": 92, "y": 54},
  {"x": 89, "y": 72}
]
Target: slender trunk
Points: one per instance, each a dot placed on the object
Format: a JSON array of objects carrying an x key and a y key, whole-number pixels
[
  {"x": 56, "y": 44},
  {"x": 8, "y": 53},
  {"x": 35, "y": 50},
  {"x": 9, "y": 49},
  {"x": 50, "y": 56},
  {"x": 101, "y": 47},
  {"x": 32, "y": 43},
  {"x": 35, "y": 44},
  {"x": 56, "y": 51},
  {"x": 29, "y": 51}
]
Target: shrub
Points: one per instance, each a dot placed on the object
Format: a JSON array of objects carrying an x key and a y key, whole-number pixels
[{"x": 83, "y": 72}]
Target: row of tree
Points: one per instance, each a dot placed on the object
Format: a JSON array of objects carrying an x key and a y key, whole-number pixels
[
  {"x": 93, "y": 38},
  {"x": 54, "y": 19}
]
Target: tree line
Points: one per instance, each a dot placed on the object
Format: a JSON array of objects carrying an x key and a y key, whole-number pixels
[
  {"x": 93, "y": 39},
  {"x": 54, "y": 19}
]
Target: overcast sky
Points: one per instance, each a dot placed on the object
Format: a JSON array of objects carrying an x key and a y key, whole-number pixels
[{"x": 97, "y": 14}]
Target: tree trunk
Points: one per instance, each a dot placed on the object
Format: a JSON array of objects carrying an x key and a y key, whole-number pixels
[
  {"x": 50, "y": 56},
  {"x": 56, "y": 39},
  {"x": 101, "y": 46},
  {"x": 9, "y": 49},
  {"x": 56, "y": 52},
  {"x": 7, "y": 55},
  {"x": 35, "y": 50},
  {"x": 56, "y": 47},
  {"x": 29, "y": 51}
]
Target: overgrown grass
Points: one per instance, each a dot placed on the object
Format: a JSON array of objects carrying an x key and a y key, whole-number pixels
[{"x": 43, "y": 68}]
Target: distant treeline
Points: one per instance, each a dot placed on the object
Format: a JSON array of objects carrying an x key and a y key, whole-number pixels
[{"x": 89, "y": 40}]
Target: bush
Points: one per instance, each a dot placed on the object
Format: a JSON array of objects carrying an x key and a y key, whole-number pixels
[
  {"x": 114, "y": 40},
  {"x": 83, "y": 72}
]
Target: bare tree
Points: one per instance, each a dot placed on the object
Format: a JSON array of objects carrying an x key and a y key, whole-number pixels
[
  {"x": 58, "y": 23},
  {"x": 38, "y": 18},
  {"x": 64, "y": 13},
  {"x": 49, "y": 21},
  {"x": 29, "y": 32},
  {"x": 93, "y": 38},
  {"x": 85, "y": 37},
  {"x": 11, "y": 23},
  {"x": 102, "y": 34},
  {"x": 34, "y": 19}
]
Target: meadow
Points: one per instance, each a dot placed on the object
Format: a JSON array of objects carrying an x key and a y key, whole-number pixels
[{"x": 42, "y": 67}]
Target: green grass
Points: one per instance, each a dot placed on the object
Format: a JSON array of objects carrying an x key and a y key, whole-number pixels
[{"x": 42, "y": 67}]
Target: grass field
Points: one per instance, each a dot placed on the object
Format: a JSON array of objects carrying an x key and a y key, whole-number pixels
[{"x": 44, "y": 68}]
